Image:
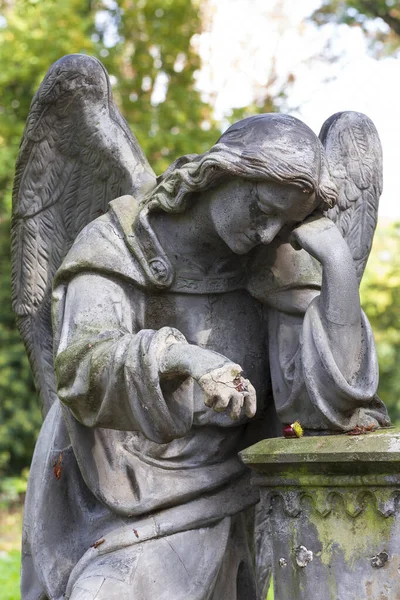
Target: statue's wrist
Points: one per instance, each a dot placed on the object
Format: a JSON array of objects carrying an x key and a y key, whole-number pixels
[
  {"x": 335, "y": 255},
  {"x": 189, "y": 359}
]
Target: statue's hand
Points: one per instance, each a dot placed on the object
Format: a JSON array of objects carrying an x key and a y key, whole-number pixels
[
  {"x": 220, "y": 379},
  {"x": 322, "y": 239},
  {"x": 225, "y": 387}
]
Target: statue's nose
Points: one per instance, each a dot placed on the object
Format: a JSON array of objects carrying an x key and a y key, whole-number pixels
[{"x": 268, "y": 233}]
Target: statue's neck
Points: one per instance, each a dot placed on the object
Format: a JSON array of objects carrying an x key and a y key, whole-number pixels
[{"x": 189, "y": 238}]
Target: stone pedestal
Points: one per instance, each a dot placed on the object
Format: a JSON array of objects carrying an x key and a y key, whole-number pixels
[{"x": 332, "y": 514}]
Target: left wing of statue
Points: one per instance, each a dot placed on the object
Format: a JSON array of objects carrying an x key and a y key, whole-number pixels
[
  {"x": 77, "y": 153},
  {"x": 354, "y": 153}
]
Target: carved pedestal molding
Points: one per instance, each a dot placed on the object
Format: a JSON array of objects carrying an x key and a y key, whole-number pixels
[{"x": 330, "y": 507}]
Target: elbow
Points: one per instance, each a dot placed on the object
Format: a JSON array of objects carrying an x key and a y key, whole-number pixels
[{"x": 77, "y": 403}]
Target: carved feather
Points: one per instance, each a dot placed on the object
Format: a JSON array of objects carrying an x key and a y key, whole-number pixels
[
  {"x": 354, "y": 154},
  {"x": 77, "y": 153}
]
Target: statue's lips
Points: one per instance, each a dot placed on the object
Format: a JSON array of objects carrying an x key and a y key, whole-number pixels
[
  {"x": 252, "y": 240},
  {"x": 301, "y": 286}
]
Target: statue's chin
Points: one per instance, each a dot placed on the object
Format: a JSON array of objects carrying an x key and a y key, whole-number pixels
[{"x": 241, "y": 245}]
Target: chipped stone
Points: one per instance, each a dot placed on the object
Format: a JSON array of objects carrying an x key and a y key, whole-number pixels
[{"x": 303, "y": 556}]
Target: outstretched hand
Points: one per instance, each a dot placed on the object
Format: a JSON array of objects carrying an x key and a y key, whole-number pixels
[
  {"x": 225, "y": 387},
  {"x": 220, "y": 379}
]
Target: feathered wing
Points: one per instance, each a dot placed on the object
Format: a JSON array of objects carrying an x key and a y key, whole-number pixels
[
  {"x": 77, "y": 153},
  {"x": 354, "y": 154}
]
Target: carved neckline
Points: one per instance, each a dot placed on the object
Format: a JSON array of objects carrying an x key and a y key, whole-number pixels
[{"x": 224, "y": 275}]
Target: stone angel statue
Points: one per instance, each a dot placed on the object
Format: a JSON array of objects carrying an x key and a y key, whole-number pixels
[{"x": 192, "y": 314}]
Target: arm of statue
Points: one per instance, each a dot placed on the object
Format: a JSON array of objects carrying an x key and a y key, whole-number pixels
[
  {"x": 219, "y": 378},
  {"x": 339, "y": 300},
  {"x": 324, "y": 367},
  {"x": 114, "y": 373}
]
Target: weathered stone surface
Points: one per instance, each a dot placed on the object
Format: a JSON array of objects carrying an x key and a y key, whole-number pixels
[
  {"x": 341, "y": 452},
  {"x": 339, "y": 497},
  {"x": 243, "y": 260}
]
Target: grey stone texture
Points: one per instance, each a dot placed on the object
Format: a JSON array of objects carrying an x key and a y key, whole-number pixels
[
  {"x": 197, "y": 314},
  {"x": 330, "y": 509}
]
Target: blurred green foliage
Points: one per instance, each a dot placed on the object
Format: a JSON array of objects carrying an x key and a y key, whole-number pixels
[
  {"x": 380, "y": 296},
  {"x": 10, "y": 564},
  {"x": 13, "y": 490}
]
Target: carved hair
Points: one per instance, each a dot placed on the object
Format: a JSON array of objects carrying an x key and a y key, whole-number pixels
[{"x": 267, "y": 147}]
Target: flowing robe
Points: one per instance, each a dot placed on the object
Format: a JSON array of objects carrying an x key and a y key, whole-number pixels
[{"x": 142, "y": 458}]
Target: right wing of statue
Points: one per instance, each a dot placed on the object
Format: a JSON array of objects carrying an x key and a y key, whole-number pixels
[
  {"x": 77, "y": 153},
  {"x": 354, "y": 154}
]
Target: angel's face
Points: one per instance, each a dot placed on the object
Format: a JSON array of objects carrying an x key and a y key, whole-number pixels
[{"x": 246, "y": 214}]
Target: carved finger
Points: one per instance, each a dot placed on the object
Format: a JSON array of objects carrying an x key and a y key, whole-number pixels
[
  {"x": 294, "y": 241},
  {"x": 250, "y": 402},
  {"x": 236, "y": 405},
  {"x": 223, "y": 402}
]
